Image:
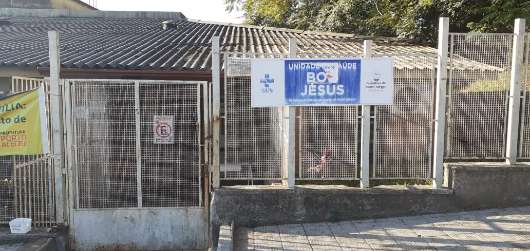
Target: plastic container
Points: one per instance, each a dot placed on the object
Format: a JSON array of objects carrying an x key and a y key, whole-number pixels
[{"x": 20, "y": 225}]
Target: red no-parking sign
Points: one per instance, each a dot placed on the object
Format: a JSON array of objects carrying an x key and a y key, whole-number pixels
[{"x": 163, "y": 129}]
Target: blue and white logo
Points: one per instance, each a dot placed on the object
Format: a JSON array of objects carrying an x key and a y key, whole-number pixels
[{"x": 267, "y": 84}]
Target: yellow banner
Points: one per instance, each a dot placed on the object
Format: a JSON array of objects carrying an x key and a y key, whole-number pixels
[{"x": 23, "y": 124}]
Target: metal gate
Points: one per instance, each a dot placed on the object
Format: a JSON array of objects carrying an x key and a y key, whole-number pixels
[
  {"x": 478, "y": 95},
  {"x": 120, "y": 158},
  {"x": 136, "y": 150},
  {"x": 27, "y": 184}
]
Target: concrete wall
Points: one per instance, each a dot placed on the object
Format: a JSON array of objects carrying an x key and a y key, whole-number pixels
[
  {"x": 473, "y": 186},
  {"x": 140, "y": 229},
  {"x": 479, "y": 186},
  {"x": 266, "y": 206}
]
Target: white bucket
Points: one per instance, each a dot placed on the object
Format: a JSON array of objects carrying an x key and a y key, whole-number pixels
[{"x": 20, "y": 225}]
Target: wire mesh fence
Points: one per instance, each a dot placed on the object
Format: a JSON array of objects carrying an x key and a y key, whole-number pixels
[
  {"x": 170, "y": 170},
  {"x": 253, "y": 136},
  {"x": 105, "y": 144},
  {"x": 329, "y": 144},
  {"x": 477, "y": 95},
  {"x": 7, "y": 189},
  {"x": 403, "y": 131},
  {"x": 27, "y": 184},
  {"x": 34, "y": 189},
  {"x": 137, "y": 143}
]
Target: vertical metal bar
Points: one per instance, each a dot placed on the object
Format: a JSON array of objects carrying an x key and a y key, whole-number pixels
[
  {"x": 449, "y": 97},
  {"x": 525, "y": 84},
  {"x": 365, "y": 131},
  {"x": 138, "y": 143},
  {"x": 198, "y": 88},
  {"x": 216, "y": 82},
  {"x": 56, "y": 124},
  {"x": 75, "y": 165},
  {"x": 69, "y": 155},
  {"x": 514, "y": 104},
  {"x": 289, "y": 127},
  {"x": 439, "y": 122}
]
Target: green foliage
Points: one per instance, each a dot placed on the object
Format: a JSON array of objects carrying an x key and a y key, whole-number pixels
[
  {"x": 500, "y": 84},
  {"x": 411, "y": 19}
]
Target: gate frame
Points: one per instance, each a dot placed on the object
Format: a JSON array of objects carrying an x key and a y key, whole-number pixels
[
  {"x": 198, "y": 226},
  {"x": 71, "y": 144}
]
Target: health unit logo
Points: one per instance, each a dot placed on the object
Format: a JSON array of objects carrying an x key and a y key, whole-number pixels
[
  {"x": 322, "y": 79},
  {"x": 267, "y": 83}
]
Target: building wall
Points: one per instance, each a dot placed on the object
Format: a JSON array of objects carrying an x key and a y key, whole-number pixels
[
  {"x": 45, "y": 4},
  {"x": 5, "y": 85}
]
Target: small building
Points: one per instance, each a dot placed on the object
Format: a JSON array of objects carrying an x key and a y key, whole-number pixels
[{"x": 126, "y": 73}]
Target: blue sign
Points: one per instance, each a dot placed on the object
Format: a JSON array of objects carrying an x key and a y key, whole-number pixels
[{"x": 325, "y": 82}]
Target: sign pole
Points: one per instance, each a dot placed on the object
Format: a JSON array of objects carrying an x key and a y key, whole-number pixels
[
  {"x": 56, "y": 124},
  {"x": 515, "y": 92},
  {"x": 439, "y": 121},
  {"x": 216, "y": 93},
  {"x": 289, "y": 130},
  {"x": 365, "y": 131}
]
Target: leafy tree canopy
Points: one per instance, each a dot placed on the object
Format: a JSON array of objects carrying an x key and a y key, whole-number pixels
[{"x": 412, "y": 19}]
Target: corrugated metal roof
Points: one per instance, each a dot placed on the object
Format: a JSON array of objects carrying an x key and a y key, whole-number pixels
[{"x": 105, "y": 42}]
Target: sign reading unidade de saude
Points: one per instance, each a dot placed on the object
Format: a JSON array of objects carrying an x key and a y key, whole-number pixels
[
  {"x": 23, "y": 124},
  {"x": 321, "y": 82},
  {"x": 163, "y": 129}
]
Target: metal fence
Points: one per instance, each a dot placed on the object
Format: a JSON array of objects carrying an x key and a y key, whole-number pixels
[
  {"x": 329, "y": 142},
  {"x": 27, "y": 184},
  {"x": 120, "y": 159},
  {"x": 252, "y": 136},
  {"x": 403, "y": 131},
  {"x": 478, "y": 95}
]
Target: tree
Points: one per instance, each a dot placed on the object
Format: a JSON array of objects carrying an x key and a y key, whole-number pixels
[{"x": 412, "y": 19}]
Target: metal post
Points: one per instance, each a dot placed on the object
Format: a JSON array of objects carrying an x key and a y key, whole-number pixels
[
  {"x": 441, "y": 84},
  {"x": 56, "y": 124},
  {"x": 289, "y": 141},
  {"x": 365, "y": 131},
  {"x": 216, "y": 84},
  {"x": 514, "y": 104},
  {"x": 138, "y": 139}
]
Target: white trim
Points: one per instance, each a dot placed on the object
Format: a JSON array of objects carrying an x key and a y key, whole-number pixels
[
  {"x": 441, "y": 84},
  {"x": 514, "y": 102}
]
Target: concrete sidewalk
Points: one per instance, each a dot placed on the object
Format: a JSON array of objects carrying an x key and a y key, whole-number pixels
[{"x": 494, "y": 229}]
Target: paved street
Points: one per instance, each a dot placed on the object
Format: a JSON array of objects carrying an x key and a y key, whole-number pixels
[{"x": 496, "y": 229}]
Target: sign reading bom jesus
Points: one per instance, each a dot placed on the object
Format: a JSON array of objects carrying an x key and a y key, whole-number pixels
[{"x": 321, "y": 82}]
